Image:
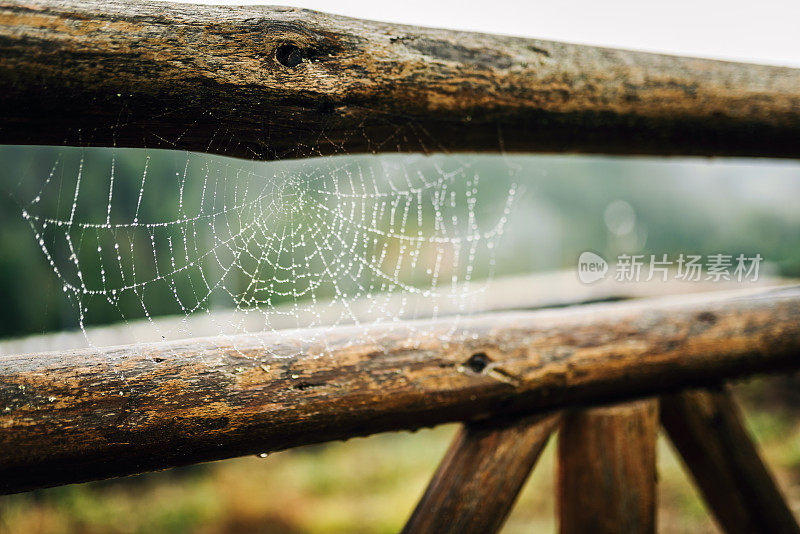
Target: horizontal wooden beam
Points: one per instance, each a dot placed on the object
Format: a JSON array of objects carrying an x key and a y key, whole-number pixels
[
  {"x": 502, "y": 293},
  {"x": 88, "y": 414},
  {"x": 277, "y": 82}
]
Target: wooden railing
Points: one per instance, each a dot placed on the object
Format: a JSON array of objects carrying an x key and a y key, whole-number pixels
[{"x": 277, "y": 82}]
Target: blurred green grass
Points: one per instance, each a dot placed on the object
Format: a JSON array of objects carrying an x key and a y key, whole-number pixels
[{"x": 367, "y": 485}]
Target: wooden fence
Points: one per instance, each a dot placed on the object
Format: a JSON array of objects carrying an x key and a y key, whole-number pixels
[{"x": 278, "y": 82}]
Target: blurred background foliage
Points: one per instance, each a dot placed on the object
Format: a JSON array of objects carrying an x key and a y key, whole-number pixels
[{"x": 566, "y": 204}]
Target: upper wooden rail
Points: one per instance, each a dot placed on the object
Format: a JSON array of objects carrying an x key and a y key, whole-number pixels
[
  {"x": 276, "y": 82},
  {"x": 81, "y": 415}
]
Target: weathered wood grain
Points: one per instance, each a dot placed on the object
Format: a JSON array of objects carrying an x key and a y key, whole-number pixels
[
  {"x": 81, "y": 415},
  {"x": 481, "y": 475},
  {"x": 607, "y": 469},
  {"x": 707, "y": 429},
  {"x": 277, "y": 82}
]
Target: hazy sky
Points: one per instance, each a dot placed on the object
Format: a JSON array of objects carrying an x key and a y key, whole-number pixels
[{"x": 767, "y": 31}]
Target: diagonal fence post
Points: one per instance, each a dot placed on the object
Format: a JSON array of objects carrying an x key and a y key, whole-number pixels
[
  {"x": 707, "y": 430},
  {"x": 481, "y": 475}
]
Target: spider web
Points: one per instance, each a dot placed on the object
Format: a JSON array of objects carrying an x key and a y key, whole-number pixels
[{"x": 227, "y": 246}]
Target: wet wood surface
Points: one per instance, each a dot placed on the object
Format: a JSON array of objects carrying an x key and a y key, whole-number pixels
[
  {"x": 277, "y": 82},
  {"x": 607, "y": 469},
  {"x": 96, "y": 413},
  {"x": 480, "y": 477},
  {"x": 706, "y": 428}
]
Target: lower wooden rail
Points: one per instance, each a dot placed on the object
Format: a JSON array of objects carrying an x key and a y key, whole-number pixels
[{"x": 82, "y": 415}]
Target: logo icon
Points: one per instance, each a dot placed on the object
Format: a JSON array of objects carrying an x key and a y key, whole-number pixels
[{"x": 591, "y": 267}]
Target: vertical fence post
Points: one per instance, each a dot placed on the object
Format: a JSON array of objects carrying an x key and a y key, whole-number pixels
[{"x": 607, "y": 469}]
